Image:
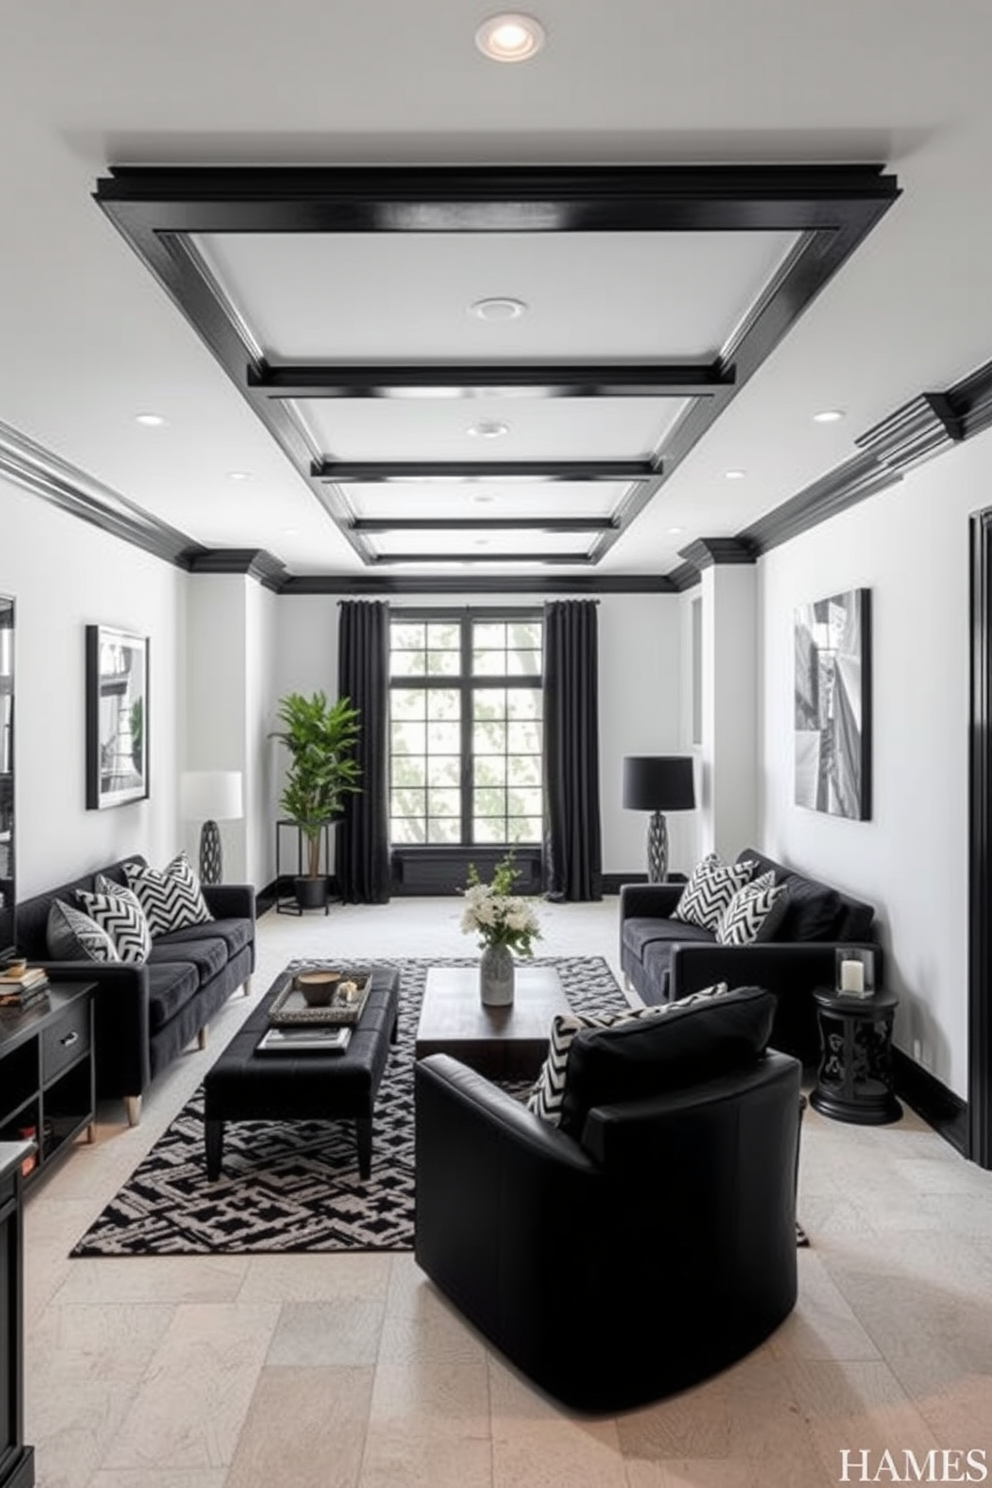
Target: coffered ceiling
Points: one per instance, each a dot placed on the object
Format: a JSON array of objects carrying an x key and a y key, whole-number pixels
[{"x": 405, "y": 313}]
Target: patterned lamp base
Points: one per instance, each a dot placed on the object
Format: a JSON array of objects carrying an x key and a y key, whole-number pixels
[
  {"x": 657, "y": 848},
  {"x": 211, "y": 860}
]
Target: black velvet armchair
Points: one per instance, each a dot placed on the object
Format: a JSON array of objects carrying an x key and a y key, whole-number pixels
[{"x": 627, "y": 1261}]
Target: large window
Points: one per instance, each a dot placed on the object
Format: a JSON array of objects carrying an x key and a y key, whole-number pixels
[{"x": 465, "y": 727}]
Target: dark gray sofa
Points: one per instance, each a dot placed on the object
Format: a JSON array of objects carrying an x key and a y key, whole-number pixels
[
  {"x": 146, "y": 1015},
  {"x": 664, "y": 959}
]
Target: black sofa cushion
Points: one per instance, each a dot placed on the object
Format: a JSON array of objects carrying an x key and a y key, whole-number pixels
[
  {"x": 648, "y": 1057},
  {"x": 640, "y": 933},
  {"x": 208, "y": 953},
  {"x": 171, "y": 985},
  {"x": 236, "y": 934}
]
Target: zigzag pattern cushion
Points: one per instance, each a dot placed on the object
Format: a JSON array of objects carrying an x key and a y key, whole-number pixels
[
  {"x": 171, "y": 897},
  {"x": 73, "y": 936},
  {"x": 545, "y": 1099},
  {"x": 754, "y": 912},
  {"x": 711, "y": 886},
  {"x": 121, "y": 915}
]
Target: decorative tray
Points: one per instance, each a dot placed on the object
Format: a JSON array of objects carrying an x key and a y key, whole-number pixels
[{"x": 291, "y": 1007}]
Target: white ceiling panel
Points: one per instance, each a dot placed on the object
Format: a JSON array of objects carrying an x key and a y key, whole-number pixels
[
  {"x": 313, "y": 297},
  {"x": 536, "y": 429},
  {"x": 483, "y": 500},
  {"x": 525, "y": 543}
]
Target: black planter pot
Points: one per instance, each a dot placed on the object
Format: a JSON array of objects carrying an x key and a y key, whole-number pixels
[{"x": 311, "y": 893}]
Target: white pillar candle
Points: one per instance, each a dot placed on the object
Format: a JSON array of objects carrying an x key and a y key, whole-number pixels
[{"x": 852, "y": 976}]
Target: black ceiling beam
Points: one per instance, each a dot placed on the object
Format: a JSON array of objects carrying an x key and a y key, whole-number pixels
[
  {"x": 483, "y": 524},
  {"x": 360, "y": 199},
  {"x": 158, "y": 210},
  {"x": 611, "y": 380},
  {"x": 373, "y": 472}
]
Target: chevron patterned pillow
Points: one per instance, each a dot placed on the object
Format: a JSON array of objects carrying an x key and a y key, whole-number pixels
[
  {"x": 171, "y": 897},
  {"x": 753, "y": 913},
  {"x": 121, "y": 915},
  {"x": 711, "y": 886},
  {"x": 545, "y": 1099},
  {"x": 73, "y": 936}
]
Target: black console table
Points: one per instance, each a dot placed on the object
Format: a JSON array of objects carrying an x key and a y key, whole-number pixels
[
  {"x": 16, "y": 1459},
  {"x": 854, "y": 1080},
  {"x": 47, "y": 1073}
]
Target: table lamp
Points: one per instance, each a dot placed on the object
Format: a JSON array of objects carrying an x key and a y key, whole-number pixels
[
  {"x": 211, "y": 796},
  {"x": 658, "y": 783}
]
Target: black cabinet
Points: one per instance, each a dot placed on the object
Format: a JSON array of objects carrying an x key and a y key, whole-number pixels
[
  {"x": 16, "y": 1459},
  {"x": 47, "y": 1084}
]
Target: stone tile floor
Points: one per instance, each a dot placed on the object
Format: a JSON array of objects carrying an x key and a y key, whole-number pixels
[{"x": 350, "y": 1371}]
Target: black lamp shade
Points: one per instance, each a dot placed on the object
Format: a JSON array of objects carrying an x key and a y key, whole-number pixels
[{"x": 658, "y": 782}]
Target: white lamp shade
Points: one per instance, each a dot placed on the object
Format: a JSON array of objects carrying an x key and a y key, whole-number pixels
[{"x": 211, "y": 795}]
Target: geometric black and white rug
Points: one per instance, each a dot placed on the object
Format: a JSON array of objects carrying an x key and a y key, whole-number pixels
[{"x": 294, "y": 1186}]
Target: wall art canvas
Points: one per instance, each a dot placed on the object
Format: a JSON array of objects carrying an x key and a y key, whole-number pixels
[
  {"x": 833, "y": 705},
  {"x": 116, "y": 717}
]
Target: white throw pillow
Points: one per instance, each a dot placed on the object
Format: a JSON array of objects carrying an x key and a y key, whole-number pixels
[
  {"x": 753, "y": 912},
  {"x": 711, "y": 886},
  {"x": 171, "y": 897}
]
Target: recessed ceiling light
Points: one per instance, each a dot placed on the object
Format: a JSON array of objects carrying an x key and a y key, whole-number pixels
[
  {"x": 149, "y": 420},
  {"x": 498, "y": 307},
  {"x": 510, "y": 37},
  {"x": 239, "y": 475},
  {"x": 828, "y": 416},
  {"x": 290, "y": 531},
  {"x": 489, "y": 430},
  {"x": 674, "y": 531},
  {"x": 734, "y": 474}
]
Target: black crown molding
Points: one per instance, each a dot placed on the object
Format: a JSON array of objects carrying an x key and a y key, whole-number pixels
[
  {"x": 256, "y": 563},
  {"x": 927, "y": 425},
  {"x": 914, "y": 432},
  {"x": 47, "y": 475},
  {"x": 708, "y": 552}
]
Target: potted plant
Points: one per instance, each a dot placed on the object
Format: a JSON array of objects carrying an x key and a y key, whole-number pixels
[{"x": 321, "y": 738}]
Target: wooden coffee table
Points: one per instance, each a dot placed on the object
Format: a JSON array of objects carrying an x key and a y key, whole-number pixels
[{"x": 501, "y": 1042}]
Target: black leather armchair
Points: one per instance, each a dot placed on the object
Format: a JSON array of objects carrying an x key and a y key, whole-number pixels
[{"x": 627, "y": 1263}]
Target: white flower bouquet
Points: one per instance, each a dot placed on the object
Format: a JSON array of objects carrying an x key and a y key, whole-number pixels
[{"x": 496, "y": 914}]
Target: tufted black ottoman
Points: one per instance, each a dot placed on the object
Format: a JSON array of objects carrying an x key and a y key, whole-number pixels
[{"x": 246, "y": 1086}]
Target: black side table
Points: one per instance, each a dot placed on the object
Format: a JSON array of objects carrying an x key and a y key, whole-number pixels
[{"x": 854, "y": 1081}]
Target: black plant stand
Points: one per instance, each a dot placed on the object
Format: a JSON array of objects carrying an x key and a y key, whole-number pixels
[{"x": 287, "y": 902}]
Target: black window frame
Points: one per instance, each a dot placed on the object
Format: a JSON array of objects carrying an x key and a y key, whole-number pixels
[{"x": 466, "y": 683}]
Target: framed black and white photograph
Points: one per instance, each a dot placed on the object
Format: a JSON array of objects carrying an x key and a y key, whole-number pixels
[
  {"x": 116, "y": 717},
  {"x": 833, "y": 705}
]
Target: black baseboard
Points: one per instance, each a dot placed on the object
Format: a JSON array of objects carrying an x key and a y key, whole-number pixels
[{"x": 940, "y": 1108}]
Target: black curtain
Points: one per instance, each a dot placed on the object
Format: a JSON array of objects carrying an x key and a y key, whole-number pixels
[
  {"x": 573, "y": 859},
  {"x": 362, "y": 845}
]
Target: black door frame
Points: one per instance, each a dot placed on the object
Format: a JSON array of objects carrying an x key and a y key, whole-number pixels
[{"x": 980, "y": 847}]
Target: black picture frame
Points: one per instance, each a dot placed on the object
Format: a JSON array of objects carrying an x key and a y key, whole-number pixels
[
  {"x": 117, "y": 693},
  {"x": 833, "y": 705}
]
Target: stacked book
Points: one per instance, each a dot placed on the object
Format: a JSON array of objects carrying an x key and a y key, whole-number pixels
[{"x": 22, "y": 989}]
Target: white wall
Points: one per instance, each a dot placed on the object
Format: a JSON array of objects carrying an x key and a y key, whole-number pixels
[
  {"x": 910, "y": 547},
  {"x": 65, "y": 574},
  {"x": 230, "y": 669},
  {"x": 639, "y": 692},
  {"x": 261, "y": 613}
]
